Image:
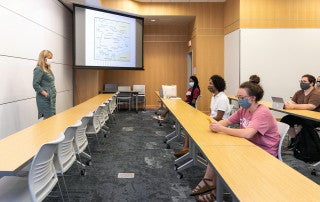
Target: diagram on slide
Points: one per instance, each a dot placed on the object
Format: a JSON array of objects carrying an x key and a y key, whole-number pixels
[{"x": 111, "y": 40}]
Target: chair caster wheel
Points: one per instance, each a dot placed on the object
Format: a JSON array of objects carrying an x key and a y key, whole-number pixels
[
  {"x": 179, "y": 176},
  {"x": 83, "y": 172},
  {"x": 89, "y": 163},
  {"x": 175, "y": 167},
  {"x": 168, "y": 146},
  {"x": 165, "y": 141},
  {"x": 314, "y": 172}
]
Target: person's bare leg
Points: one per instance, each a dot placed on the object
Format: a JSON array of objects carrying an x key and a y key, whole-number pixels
[
  {"x": 209, "y": 180},
  {"x": 164, "y": 113},
  {"x": 186, "y": 142},
  {"x": 210, "y": 175}
]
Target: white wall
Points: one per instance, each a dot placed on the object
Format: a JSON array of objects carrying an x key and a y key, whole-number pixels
[
  {"x": 232, "y": 62},
  {"x": 279, "y": 56},
  {"x": 27, "y": 27}
]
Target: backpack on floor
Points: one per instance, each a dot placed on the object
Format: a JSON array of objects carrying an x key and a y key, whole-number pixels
[{"x": 307, "y": 145}]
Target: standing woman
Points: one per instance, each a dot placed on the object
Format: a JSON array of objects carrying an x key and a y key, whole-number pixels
[{"x": 43, "y": 84}]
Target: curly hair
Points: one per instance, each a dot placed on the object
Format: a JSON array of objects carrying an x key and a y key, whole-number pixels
[{"x": 218, "y": 82}]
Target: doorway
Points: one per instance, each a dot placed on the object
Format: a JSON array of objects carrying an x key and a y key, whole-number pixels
[{"x": 189, "y": 66}]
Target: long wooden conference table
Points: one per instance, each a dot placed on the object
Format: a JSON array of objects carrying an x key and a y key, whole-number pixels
[
  {"x": 18, "y": 149},
  {"x": 247, "y": 171}
]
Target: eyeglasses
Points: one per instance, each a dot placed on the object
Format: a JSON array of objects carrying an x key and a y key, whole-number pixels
[{"x": 240, "y": 97}]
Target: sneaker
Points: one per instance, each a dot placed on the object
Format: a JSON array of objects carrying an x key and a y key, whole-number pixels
[{"x": 158, "y": 118}]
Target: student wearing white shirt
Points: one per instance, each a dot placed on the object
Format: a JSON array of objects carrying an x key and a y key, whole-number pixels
[{"x": 220, "y": 107}]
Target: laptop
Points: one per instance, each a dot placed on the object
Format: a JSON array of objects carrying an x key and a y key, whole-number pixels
[{"x": 277, "y": 102}]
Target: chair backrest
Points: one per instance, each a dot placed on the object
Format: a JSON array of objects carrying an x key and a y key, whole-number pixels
[
  {"x": 124, "y": 88},
  {"x": 197, "y": 101},
  {"x": 283, "y": 129},
  {"x": 65, "y": 153},
  {"x": 141, "y": 89},
  {"x": 110, "y": 88},
  {"x": 94, "y": 124},
  {"x": 42, "y": 175},
  {"x": 169, "y": 91},
  {"x": 80, "y": 140},
  {"x": 104, "y": 113}
]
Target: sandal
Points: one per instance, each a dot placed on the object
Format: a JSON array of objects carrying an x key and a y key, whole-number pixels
[
  {"x": 209, "y": 197},
  {"x": 202, "y": 189}
]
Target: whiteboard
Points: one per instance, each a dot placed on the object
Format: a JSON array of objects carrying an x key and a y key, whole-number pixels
[{"x": 279, "y": 56}]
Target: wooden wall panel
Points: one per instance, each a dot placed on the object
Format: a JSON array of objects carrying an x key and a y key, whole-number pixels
[
  {"x": 280, "y": 14},
  {"x": 209, "y": 50},
  {"x": 86, "y": 84},
  {"x": 165, "y": 63},
  {"x": 231, "y": 16}
]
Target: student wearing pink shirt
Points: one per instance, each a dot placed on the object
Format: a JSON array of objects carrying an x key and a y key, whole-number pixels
[{"x": 257, "y": 124}]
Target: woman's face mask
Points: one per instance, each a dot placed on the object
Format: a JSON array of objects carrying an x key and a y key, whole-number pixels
[
  {"x": 244, "y": 103},
  {"x": 191, "y": 84},
  {"x": 48, "y": 61}
]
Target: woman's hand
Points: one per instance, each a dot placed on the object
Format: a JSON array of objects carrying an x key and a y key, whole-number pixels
[
  {"x": 44, "y": 93},
  {"x": 215, "y": 127}
]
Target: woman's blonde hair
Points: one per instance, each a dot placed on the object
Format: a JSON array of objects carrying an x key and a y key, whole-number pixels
[{"x": 41, "y": 60}]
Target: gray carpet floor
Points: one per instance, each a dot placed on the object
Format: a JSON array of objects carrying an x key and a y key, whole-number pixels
[{"x": 133, "y": 164}]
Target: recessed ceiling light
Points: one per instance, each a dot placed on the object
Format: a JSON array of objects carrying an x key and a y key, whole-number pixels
[{"x": 152, "y": 20}]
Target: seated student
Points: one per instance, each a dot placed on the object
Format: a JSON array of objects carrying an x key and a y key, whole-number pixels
[
  {"x": 191, "y": 96},
  {"x": 257, "y": 124},
  {"x": 220, "y": 107},
  {"x": 307, "y": 98}
]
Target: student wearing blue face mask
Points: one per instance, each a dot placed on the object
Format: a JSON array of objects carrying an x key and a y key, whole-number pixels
[
  {"x": 308, "y": 98},
  {"x": 256, "y": 123},
  {"x": 43, "y": 84}
]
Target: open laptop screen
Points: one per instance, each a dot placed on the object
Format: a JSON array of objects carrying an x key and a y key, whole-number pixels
[{"x": 277, "y": 102}]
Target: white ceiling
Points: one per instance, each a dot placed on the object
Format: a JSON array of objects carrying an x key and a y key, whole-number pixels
[{"x": 160, "y": 20}]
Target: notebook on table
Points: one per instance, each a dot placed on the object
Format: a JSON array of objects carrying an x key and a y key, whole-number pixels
[{"x": 277, "y": 102}]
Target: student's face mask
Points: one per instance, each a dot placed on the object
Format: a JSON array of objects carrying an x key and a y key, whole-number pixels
[
  {"x": 244, "y": 103},
  {"x": 304, "y": 86},
  {"x": 191, "y": 84}
]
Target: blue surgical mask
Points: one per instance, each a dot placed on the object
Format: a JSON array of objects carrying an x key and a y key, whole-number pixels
[
  {"x": 304, "y": 86},
  {"x": 318, "y": 83},
  {"x": 244, "y": 103},
  {"x": 191, "y": 84}
]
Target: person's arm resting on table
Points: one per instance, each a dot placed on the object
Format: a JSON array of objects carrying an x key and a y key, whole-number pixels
[{"x": 222, "y": 126}]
